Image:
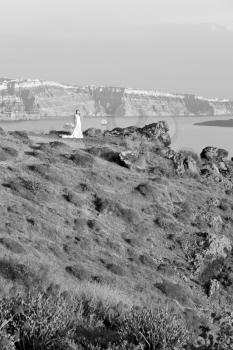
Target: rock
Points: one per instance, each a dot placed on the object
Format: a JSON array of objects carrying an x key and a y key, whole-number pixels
[
  {"x": 222, "y": 154},
  {"x": 129, "y": 158},
  {"x": 191, "y": 165},
  {"x": 180, "y": 161},
  {"x": 210, "y": 169},
  {"x": 213, "y": 153},
  {"x": 222, "y": 166},
  {"x": 118, "y": 132},
  {"x": 217, "y": 161},
  {"x": 92, "y": 132},
  {"x": 155, "y": 131}
]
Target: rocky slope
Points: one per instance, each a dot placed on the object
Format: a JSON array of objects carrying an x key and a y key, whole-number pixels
[
  {"x": 119, "y": 208},
  {"x": 33, "y": 99}
]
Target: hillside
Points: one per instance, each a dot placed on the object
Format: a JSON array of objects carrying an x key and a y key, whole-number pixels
[
  {"x": 33, "y": 99},
  {"x": 119, "y": 209}
]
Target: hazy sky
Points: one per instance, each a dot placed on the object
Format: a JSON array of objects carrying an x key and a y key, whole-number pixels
[{"x": 169, "y": 45}]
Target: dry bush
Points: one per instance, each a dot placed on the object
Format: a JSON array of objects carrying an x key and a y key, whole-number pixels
[
  {"x": 37, "y": 321},
  {"x": 161, "y": 329}
]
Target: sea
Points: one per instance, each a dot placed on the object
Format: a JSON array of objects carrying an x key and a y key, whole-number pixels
[{"x": 184, "y": 133}]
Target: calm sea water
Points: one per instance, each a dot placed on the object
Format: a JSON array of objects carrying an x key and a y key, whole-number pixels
[{"x": 184, "y": 133}]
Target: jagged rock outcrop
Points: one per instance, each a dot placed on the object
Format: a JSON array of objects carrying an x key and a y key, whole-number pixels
[
  {"x": 92, "y": 132},
  {"x": 34, "y": 99},
  {"x": 154, "y": 132},
  {"x": 182, "y": 163},
  {"x": 214, "y": 154},
  {"x": 216, "y": 164}
]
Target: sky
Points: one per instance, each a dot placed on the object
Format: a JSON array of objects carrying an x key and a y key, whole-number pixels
[{"x": 183, "y": 46}]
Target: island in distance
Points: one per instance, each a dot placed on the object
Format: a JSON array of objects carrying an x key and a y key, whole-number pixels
[{"x": 223, "y": 123}]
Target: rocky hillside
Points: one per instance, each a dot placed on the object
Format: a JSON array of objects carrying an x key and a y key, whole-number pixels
[
  {"x": 120, "y": 209},
  {"x": 33, "y": 99}
]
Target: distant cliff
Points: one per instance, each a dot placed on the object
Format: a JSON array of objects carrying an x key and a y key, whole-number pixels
[{"x": 34, "y": 99}]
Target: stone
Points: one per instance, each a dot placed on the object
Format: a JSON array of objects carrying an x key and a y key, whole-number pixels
[
  {"x": 129, "y": 158},
  {"x": 213, "y": 153},
  {"x": 191, "y": 165},
  {"x": 92, "y": 132},
  {"x": 180, "y": 161},
  {"x": 155, "y": 131}
]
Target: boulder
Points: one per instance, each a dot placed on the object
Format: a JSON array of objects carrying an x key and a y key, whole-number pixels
[
  {"x": 210, "y": 169},
  {"x": 155, "y": 131},
  {"x": 191, "y": 165},
  {"x": 92, "y": 132},
  {"x": 216, "y": 163},
  {"x": 213, "y": 153},
  {"x": 181, "y": 162},
  {"x": 129, "y": 158},
  {"x": 119, "y": 132}
]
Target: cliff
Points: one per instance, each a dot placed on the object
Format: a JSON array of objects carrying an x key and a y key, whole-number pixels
[{"x": 34, "y": 99}]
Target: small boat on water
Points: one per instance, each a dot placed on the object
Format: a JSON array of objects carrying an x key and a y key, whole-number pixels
[
  {"x": 104, "y": 122},
  {"x": 68, "y": 126}
]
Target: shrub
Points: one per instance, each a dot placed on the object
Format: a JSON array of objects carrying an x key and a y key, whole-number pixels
[
  {"x": 160, "y": 329},
  {"x": 39, "y": 321},
  {"x": 95, "y": 319}
]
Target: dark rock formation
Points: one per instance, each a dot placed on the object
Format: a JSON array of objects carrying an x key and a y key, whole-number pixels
[
  {"x": 216, "y": 164},
  {"x": 155, "y": 131},
  {"x": 92, "y": 132},
  {"x": 214, "y": 153},
  {"x": 182, "y": 163}
]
